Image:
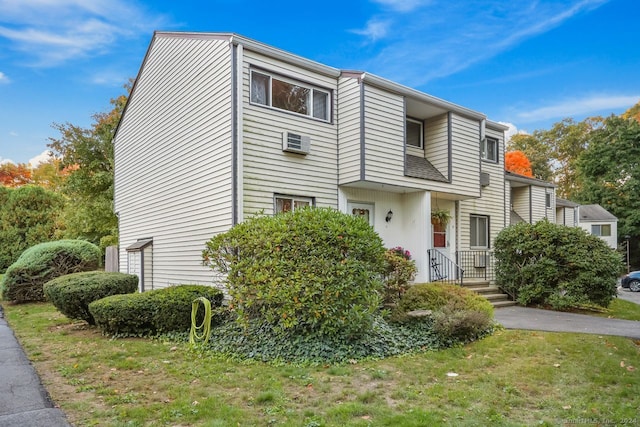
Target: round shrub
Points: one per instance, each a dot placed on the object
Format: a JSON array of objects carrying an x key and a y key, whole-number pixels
[
  {"x": 311, "y": 270},
  {"x": 550, "y": 264},
  {"x": 152, "y": 312},
  {"x": 436, "y": 296},
  {"x": 72, "y": 294},
  {"x": 24, "y": 279},
  {"x": 458, "y": 314}
]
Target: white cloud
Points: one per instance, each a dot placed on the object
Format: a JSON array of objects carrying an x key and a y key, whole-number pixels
[
  {"x": 53, "y": 31},
  {"x": 440, "y": 38},
  {"x": 513, "y": 130},
  {"x": 375, "y": 30},
  {"x": 4, "y": 78},
  {"x": 43, "y": 157},
  {"x": 579, "y": 107},
  {"x": 4, "y": 161}
]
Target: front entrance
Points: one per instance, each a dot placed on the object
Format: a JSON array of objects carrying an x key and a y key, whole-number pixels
[{"x": 365, "y": 210}]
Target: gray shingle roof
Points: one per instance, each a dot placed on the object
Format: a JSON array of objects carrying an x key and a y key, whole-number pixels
[
  {"x": 595, "y": 213},
  {"x": 419, "y": 167}
]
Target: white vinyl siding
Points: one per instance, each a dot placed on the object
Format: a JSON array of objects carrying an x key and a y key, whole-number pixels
[
  {"x": 349, "y": 108},
  {"x": 173, "y": 157},
  {"x": 267, "y": 170},
  {"x": 538, "y": 203}
]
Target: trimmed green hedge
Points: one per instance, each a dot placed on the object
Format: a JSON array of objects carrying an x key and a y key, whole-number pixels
[
  {"x": 152, "y": 312},
  {"x": 24, "y": 279},
  {"x": 72, "y": 294}
]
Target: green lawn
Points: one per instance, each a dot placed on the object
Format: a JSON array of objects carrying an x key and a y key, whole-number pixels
[{"x": 511, "y": 378}]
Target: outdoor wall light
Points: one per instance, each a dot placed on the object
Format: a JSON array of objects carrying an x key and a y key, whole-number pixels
[{"x": 389, "y": 216}]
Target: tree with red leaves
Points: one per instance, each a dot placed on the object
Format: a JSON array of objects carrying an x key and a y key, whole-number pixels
[{"x": 517, "y": 162}]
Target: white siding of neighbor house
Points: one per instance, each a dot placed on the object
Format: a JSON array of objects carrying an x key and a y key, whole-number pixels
[
  {"x": 492, "y": 200},
  {"x": 611, "y": 240},
  {"x": 267, "y": 169},
  {"x": 436, "y": 143},
  {"x": 409, "y": 226},
  {"x": 174, "y": 159},
  {"x": 349, "y": 131}
]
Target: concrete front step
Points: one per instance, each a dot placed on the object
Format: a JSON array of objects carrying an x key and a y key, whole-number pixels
[{"x": 496, "y": 297}]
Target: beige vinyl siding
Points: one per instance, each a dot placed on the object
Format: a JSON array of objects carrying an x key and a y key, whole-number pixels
[
  {"x": 538, "y": 209},
  {"x": 436, "y": 143},
  {"x": 465, "y": 155},
  {"x": 349, "y": 129},
  {"x": 268, "y": 170},
  {"x": 384, "y": 132},
  {"x": 492, "y": 198},
  {"x": 520, "y": 202},
  {"x": 173, "y": 157}
]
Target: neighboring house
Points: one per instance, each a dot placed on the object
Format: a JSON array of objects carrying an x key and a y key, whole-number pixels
[
  {"x": 219, "y": 127},
  {"x": 530, "y": 199},
  {"x": 598, "y": 221},
  {"x": 566, "y": 212}
]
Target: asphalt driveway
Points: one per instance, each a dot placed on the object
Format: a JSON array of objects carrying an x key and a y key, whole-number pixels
[{"x": 536, "y": 319}]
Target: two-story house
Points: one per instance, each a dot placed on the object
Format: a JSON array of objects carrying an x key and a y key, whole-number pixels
[{"x": 219, "y": 127}]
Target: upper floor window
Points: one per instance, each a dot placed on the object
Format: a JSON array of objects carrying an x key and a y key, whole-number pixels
[
  {"x": 489, "y": 149},
  {"x": 603, "y": 230},
  {"x": 414, "y": 133},
  {"x": 548, "y": 200},
  {"x": 479, "y": 227},
  {"x": 289, "y": 95},
  {"x": 289, "y": 203}
]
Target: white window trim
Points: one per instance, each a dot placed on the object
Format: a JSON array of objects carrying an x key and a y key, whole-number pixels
[
  {"x": 310, "y": 98},
  {"x": 293, "y": 199},
  {"x": 487, "y": 230},
  {"x": 484, "y": 144},
  {"x": 418, "y": 122}
]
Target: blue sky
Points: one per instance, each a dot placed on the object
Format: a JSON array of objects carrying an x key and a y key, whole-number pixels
[{"x": 527, "y": 63}]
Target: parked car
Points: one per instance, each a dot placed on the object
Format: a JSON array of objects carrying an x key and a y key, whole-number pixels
[{"x": 631, "y": 281}]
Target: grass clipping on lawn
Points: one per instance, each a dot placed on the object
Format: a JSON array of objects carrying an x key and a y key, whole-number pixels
[{"x": 509, "y": 378}]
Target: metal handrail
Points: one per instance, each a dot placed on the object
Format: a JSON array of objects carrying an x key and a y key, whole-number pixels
[{"x": 443, "y": 269}]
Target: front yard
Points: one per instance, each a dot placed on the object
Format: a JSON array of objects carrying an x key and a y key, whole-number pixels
[{"x": 510, "y": 378}]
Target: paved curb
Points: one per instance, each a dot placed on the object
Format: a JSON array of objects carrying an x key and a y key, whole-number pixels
[{"x": 23, "y": 399}]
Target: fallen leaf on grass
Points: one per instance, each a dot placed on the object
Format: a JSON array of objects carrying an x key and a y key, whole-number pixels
[
  {"x": 556, "y": 365},
  {"x": 566, "y": 407},
  {"x": 452, "y": 374}
]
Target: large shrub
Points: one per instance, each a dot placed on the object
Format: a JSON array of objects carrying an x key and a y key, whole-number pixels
[
  {"x": 28, "y": 215},
  {"x": 72, "y": 293},
  {"x": 311, "y": 270},
  {"x": 152, "y": 312},
  {"x": 555, "y": 265},
  {"x": 24, "y": 279}
]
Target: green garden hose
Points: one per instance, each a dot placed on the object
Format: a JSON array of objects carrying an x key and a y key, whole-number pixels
[{"x": 200, "y": 332}]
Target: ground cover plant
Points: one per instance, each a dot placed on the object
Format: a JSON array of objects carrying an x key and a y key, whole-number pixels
[
  {"x": 511, "y": 378},
  {"x": 24, "y": 280},
  {"x": 557, "y": 266}
]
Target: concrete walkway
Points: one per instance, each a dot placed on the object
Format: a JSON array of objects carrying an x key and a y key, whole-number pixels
[
  {"x": 23, "y": 400},
  {"x": 536, "y": 319}
]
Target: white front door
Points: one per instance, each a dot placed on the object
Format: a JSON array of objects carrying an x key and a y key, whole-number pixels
[{"x": 365, "y": 210}]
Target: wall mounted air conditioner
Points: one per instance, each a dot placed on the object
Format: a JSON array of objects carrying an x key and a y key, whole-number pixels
[
  {"x": 485, "y": 179},
  {"x": 295, "y": 143}
]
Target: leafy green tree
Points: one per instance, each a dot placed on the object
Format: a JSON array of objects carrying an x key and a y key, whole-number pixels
[
  {"x": 610, "y": 172},
  {"x": 537, "y": 152},
  {"x": 87, "y": 155},
  {"x": 29, "y": 215},
  {"x": 567, "y": 140}
]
